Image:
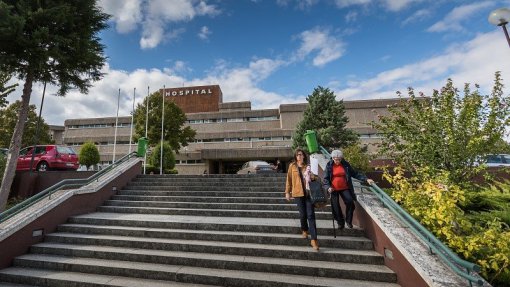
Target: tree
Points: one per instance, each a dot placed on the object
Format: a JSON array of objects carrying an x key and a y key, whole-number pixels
[
  {"x": 357, "y": 156},
  {"x": 174, "y": 131},
  {"x": 168, "y": 157},
  {"x": 326, "y": 116},
  {"x": 447, "y": 132},
  {"x": 5, "y": 90},
  {"x": 89, "y": 154},
  {"x": 52, "y": 41},
  {"x": 8, "y": 118}
]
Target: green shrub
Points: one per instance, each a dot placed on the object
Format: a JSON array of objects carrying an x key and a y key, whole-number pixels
[
  {"x": 168, "y": 157},
  {"x": 435, "y": 202},
  {"x": 357, "y": 156}
]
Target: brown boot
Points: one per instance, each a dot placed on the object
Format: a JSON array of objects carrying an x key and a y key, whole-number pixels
[
  {"x": 304, "y": 234},
  {"x": 315, "y": 244}
]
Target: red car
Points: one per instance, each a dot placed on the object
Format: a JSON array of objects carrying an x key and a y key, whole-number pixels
[{"x": 48, "y": 157}]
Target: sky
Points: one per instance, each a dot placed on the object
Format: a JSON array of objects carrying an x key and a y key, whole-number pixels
[{"x": 273, "y": 52}]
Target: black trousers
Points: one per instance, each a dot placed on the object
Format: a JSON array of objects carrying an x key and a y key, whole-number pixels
[
  {"x": 307, "y": 216},
  {"x": 337, "y": 210}
]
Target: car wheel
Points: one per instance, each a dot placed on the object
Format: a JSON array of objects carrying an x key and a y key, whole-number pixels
[{"x": 42, "y": 166}]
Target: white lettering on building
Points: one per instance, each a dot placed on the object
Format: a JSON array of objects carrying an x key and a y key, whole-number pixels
[{"x": 188, "y": 92}]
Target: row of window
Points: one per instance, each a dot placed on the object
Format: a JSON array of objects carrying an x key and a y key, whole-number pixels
[
  {"x": 246, "y": 139},
  {"x": 189, "y": 161},
  {"x": 95, "y": 126},
  {"x": 99, "y": 143},
  {"x": 233, "y": 120}
]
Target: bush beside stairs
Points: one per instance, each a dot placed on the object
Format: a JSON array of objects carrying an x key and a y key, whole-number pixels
[{"x": 204, "y": 230}]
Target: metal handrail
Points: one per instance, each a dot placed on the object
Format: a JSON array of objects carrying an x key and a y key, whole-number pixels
[
  {"x": 449, "y": 257},
  {"x": 58, "y": 186}
]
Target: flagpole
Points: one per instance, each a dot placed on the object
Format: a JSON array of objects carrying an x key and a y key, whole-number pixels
[
  {"x": 162, "y": 130},
  {"x": 132, "y": 119},
  {"x": 116, "y": 124},
  {"x": 146, "y": 129}
]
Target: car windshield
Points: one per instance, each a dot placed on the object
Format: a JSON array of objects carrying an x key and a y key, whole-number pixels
[{"x": 259, "y": 162}]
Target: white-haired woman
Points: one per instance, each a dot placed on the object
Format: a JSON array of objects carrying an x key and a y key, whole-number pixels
[{"x": 338, "y": 181}]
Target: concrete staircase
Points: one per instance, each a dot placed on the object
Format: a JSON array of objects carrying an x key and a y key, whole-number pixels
[{"x": 214, "y": 230}]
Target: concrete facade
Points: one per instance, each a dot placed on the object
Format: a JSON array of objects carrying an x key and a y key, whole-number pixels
[{"x": 228, "y": 134}]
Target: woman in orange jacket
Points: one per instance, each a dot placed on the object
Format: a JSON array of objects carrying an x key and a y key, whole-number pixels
[{"x": 295, "y": 187}]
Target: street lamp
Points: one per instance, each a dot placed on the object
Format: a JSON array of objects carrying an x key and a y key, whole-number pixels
[{"x": 501, "y": 17}]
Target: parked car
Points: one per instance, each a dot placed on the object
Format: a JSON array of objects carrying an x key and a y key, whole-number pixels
[
  {"x": 498, "y": 160},
  {"x": 48, "y": 157},
  {"x": 3, "y": 151},
  {"x": 256, "y": 167}
]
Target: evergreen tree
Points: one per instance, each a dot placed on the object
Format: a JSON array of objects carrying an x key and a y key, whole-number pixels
[
  {"x": 326, "y": 116},
  {"x": 89, "y": 154},
  {"x": 4, "y": 89},
  {"x": 52, "y": 41},
  {"x": 175, "y": 133}
]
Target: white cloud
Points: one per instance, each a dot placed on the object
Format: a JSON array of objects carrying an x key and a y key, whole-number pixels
[
  {"x": 417, "y": 16},
  {"x": 351, "y": 16},
  {"x": 125, "y": 13},
  {"x": 154, "y": 16},
  {"x": 300, "y": 4},
  {"x": 452, "y": 21},
  {"x": 397, "y": 5},
  {"x": 327, "y": 47},
  {"x": 204, "y": 33},
  {"x": 347, "y": 3},
  {"x": 473, "y": 62},
  {"x": 391, "y": 5}
]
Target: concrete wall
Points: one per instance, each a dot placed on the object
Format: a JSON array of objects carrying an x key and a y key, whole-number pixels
[
  {"x": 20, "y": 242},
  {"x": 27, "y": 184}
]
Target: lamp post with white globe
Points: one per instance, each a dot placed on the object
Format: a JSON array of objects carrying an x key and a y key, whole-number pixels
[{"x": 501, "y": 17}]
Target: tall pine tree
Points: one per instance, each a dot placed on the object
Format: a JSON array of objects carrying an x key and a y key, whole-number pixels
[{"x": 326, "y": 116}]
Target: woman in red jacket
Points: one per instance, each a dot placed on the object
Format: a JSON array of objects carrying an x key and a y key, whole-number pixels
[{"x": 338, "y": 181}]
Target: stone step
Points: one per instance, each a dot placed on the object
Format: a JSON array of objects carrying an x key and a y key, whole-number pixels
[
  {"x": 53, "y": 278},
  {"x": 6, "y": 284},
  {"x": 186, "y": 182},
  {"x": 267, "y": 176},
  {"x": 210, "y": 212},
  {"x": 209, "y": 185},
  {"x": 205, "y": 205},
  {"x": 303, "y": 251},
  {"x": 351, "y": 242},
  {"x": 342, "y": 270},
  {"x": 187, "y": 274},
  {"x": 299, "y": 252},
  {"x": 286, "y": 226},
  {"x": 206, "y": 188},
  {"x": 279, "y": 194},
  {"x": 215, "y": 199}
]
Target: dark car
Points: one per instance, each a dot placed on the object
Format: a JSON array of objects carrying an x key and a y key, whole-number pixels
[
  {"x": 3, "y": 152},
  {"x": 256, "y": 167},
  {"x": 48, "y": 157}
]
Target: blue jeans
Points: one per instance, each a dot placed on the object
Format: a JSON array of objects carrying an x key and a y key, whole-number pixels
[
  {"x": 337, "y": 210},
  {"x": 307, "y": 216}
]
